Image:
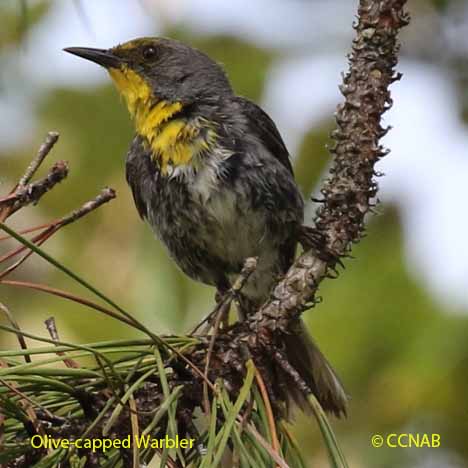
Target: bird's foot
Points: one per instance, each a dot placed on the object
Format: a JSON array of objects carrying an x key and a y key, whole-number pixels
[
  {"x": 311, "y": 238},
  {"x": 218, "y": 317}
]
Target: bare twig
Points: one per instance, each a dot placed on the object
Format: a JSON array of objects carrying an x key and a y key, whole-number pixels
[
  {"x": 27, "y": 399},
  {"x": 249, "y": 267},
  {"x": 31, "y": 193},
  {"x": 43, "y": 151},
  {"x": 105, "y": 196},
  {"x": 39, "y": 241},
  {"x": 220, "y": 311},
  {"x": 15, "y": 325},
  {"x": 27, "y": 407},
  {"x": 29, "y": 230},
  {"x": 66, "y": 295},
  {"x": 53, "y": 332}
]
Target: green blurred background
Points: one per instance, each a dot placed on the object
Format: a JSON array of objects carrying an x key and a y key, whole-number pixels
[{"x": 394, "y": 324}]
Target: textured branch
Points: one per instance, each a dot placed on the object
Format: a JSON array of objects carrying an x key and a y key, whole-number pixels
[
  {"x": 106, "y": 195},
  {"x": 44, "y": 150},
  {"x": 24, "y": 193},
  {"x": 31, "y": 193},
  {"x": 350, "y": 190}
]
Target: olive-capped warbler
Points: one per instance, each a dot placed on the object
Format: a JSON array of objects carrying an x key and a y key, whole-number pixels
[{"x": 211, "y": 175}]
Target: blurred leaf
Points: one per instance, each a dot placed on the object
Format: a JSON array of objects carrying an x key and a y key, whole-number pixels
[{"x": 18, "y": 17}]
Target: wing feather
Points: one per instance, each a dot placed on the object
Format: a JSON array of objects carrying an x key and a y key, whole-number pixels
[{"x": 261, "y": 125}]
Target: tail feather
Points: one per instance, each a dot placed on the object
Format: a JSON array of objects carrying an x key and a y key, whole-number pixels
[{"x": 304, "y": 355}]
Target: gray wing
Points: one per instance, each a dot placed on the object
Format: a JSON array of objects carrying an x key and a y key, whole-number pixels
[
  {"x": 141, "y": 174},
  {"x": 261, "y": 125}
]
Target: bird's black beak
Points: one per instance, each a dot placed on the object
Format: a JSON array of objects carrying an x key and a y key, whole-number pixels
[{"x": 102, "y": 57}]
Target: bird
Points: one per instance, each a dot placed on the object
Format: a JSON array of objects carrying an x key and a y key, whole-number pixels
[{"x": 211, "y": 175}]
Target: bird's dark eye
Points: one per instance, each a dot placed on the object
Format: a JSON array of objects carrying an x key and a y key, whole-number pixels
[{"x": 149, "y": 52}]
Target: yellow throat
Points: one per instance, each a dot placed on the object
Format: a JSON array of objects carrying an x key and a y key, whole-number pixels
[{"x": 174, "y": 142}]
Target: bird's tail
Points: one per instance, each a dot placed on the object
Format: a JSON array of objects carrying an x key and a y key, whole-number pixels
[
  {"x": 305, "y": 357},
  {"x": 303, "y": 354}
]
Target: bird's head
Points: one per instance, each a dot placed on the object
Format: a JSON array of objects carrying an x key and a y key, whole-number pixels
[
  {"x": 153, "y": 70},
  {"x": 161, "y": 79}
]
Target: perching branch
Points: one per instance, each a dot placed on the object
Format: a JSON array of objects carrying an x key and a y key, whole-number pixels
[{"x": 350, "y": 190}]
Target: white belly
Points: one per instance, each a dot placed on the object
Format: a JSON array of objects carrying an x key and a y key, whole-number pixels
[{"x": 239, "y": 233}]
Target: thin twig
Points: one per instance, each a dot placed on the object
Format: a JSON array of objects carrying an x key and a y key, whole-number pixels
[
  {"x": 35, "y": 240},
  {"x": 220, "y": 312},
  {"x": 105, "y": 196},
  {"x": 26, "y": 398},
  {"x": 31, "y": 229},
  {"x": 7, "y": 203},
  {"x": 41, "y": 239},
  {"x": 15, "y": 325},
  {"x": 250, "y": 265},
  {"x": 43, "y": 151},
  {"x": 31, "y": 193},
  {"x": 28, "y": 408},
  {"x": 66, "y": 295},
  {"x": 53, "y": 332}
]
